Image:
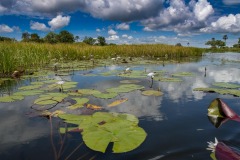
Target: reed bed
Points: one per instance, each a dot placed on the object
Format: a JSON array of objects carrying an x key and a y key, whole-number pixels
[{"x": 19, "y": 55}]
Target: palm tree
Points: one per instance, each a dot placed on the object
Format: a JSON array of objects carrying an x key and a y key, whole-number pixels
[{"x": 225, "y": 37}]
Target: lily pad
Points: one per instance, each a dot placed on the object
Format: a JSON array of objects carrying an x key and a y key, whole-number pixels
[
  {"x": 226, "y": 85},
  {"x": 88, "y": 91},
  {"x": 169, "y": 79},
  {"x": 183, "y": 74},
  {"x": 50, "y": 98},
  {"x": 117, "y": 102},
  {"x": 102, "y": 128},
  {"x": 152, "y": 93},
  {"x": 133, "y": 74},
  {"x": 220, "y": 91},
  {"x": 125, "y": 88},
  {"x": 79, "y": 104},
  {"x": 11, "y": 98},
  {"x": 30, "y": 87},
  {"x": 28, "y": 93}
]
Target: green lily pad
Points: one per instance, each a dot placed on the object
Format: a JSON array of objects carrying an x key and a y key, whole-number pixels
[
  {"x": 134, "y": 74},
  {"x": 125, "y": 88},
  {"x": 50, "y": 98},
  {"x": 30, "y": 87},
  {"x": 102, "y": 128},
  {"x": 88, "y": 91},
  {"x": 11, "y": 98},
  {"x": 170, "y": 79},
  {"x": 79, "y": 104},
  {"x": 28, "y": 93},
  {"x": 152, "y": 93},
  {"x": 226, "y": 85},
  {"x": 220, "y": 91},
  {"x": 105, "y": 95},
  {"x": 183, "y": 74}
]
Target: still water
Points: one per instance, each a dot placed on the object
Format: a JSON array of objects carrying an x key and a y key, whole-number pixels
[{"x": 176, "y": 123}]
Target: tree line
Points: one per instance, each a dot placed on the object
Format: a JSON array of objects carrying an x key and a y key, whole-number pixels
[
  {"x": 62, "y": 37},
  {"x": 221, "y": 44}
]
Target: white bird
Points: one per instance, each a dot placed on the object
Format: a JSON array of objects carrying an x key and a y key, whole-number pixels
[
  {"x": 151, "y": 74},
  {"x": 127, "y": 69},
  {"x": 60, "y": 82}
]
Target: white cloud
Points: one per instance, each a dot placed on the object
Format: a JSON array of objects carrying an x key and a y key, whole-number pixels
[
  {"x": 202, "y": 10},
  {"x": 230, "y": 23},
  {"x": 113, "y": 38},
  {"x": 59, "y": 22},
  {"x": 2, "y": 9},
  {"x": 180, "y": 17},
  {"x": 98, "y": 30},
  {"x": 38, "y": 26},
  {"x": 123, "y": 26},
  {"x": 5, "y": 28},
  {"x": 231, "y": 2},
  {"x": 126, "y": 36},
  {"x": 112, "y": 32}
]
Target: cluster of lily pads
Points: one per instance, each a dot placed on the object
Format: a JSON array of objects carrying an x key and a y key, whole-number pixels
[{"x": 222, "y": 88}]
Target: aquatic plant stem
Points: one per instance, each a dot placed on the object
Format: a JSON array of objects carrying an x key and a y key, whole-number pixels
[
  {"x": 74, "y": 151},
  {"x": 51, "y": 137}
]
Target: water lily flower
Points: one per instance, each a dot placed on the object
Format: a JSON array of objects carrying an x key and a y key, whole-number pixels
[
  {"x": 60, "y": 82},
  {"x": 212, "y": 146}
]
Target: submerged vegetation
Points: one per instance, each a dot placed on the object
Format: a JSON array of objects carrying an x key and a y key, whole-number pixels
[{"x": 23, "y": 56}]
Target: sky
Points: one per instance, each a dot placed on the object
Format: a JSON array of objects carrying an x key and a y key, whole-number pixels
[{"x": 125, "y": 21}]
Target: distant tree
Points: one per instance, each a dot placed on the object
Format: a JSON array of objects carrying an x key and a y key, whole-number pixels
[
  {"x": 237, "y": 45},
  {"x": 7, "y": 39},
  {"x": 89, "y": 40},
  {"x": 101, "y": 41},
  {"x": 65, "y": 37},
  {"x": 25, "y": 36},
  {"x": 179, "y": 45},
  {"x": 225, "y": 37},
  {"x": 112, "y": 44},
  {"x": 212, "y": 43},
  {"x": 34, "y": 37},
  {"x": 188, "y": 43},
  {"x": 76, "y": 38},
  {"x": 51, "y": 37},
  {"x": 220, "y": 43}
]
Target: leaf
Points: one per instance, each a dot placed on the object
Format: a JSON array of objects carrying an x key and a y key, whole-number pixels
[
  {"x": 220, "y": 91},
  {"x": 117, "y": 102},
  {"x": 88, "y": 91},
  {"x": 101, "y": 128},
  {"x": 11, "y": 98},
  {"x": 219, "y": 112},
  {"x": 165, "y": 79},
  {"x": 79, "y": 104},
  {"x": 226, "y": 85},
  {"x": 105, "y": 95},
  {"x": 94, "y": 107},
  {"x": 183, "y": 74},
  {"x": 68, "y": 129},
  {"x": 30, "y": 87},
  {"x": 125, "y": 88},
  {"x": 28, "y": 93},
  {"x": 152, "y": 93}
]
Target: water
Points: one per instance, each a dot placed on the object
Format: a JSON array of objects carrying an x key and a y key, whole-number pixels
[{"x": 176, "y": 123}]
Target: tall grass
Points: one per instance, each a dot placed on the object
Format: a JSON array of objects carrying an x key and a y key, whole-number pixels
[{"x": 34, "y": 55}]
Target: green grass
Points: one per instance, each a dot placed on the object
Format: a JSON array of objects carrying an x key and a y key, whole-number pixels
[{"x": 20, "y": 55}]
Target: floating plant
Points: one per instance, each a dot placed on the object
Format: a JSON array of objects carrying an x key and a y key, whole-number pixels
[
  {"x": 117, "y": 102},
  {"x": 183, "y": 74},
  {"x": 50, "y": 98},
  {"x": 88, "y": 91},
  {"x": 79, "y": 103},
  {"x": 152, "y": 93},
  {"x": 129, "y": 81},
  {"x": 233, "y": 92},
  {"x": 125, "y": 88},
  {"x": 170, "y": 79},
  {"x": 11, "y": 98},
  {"x": 226, "y": 85},
  {"x": 102, "y": 128}
]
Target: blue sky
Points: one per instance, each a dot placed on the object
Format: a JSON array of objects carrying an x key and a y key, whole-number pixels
[{"x": 125, "y": 21}]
